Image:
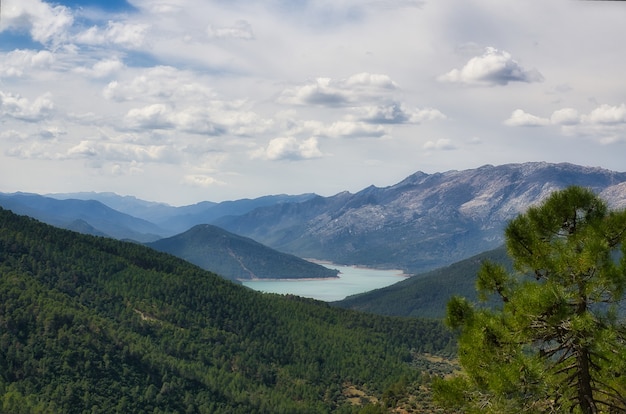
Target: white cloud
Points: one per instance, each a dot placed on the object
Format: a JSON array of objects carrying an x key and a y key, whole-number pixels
[
  {"x": 19, "y": 61},
  {"x": 352, "y": 129},
  {"x": 160, "y": 82},
  {"x": 605, "y": 123},
  {"x": 289, "y": 148},
  {"x": 46, "y": 23},
  {"x": 521, "y": 118},
  {"x": 102, "y": 69},
  {"x": 354, "y": 90},
  {"x": 607, "y": 114},
  {"x": 18, "y": 107},
  {"x": 213, "y": 119},
  {"x": 195, "y": 120},
  {"x": 156, "y": 116},
  {"x": 129, "y": 35},
  {"x": 493, "y": 67},
  {"x": 320, "y": 92},
  {"x": 565, "y": 116},
  {"x": 398, "y": 113},
  {"x": 426, "y": 114}
]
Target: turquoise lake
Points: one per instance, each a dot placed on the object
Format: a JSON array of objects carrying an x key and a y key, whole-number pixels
[{"x": 352, "y": 280}]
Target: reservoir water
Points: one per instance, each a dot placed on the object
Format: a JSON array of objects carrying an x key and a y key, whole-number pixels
[{"x": 351, "y": 280}]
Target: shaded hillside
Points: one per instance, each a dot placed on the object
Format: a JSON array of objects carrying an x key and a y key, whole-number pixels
[
  {"x": 91, "y": 324},
  {"x": 427, "y": 294},
  {"x": 237, "y": 257},
  {"x": 424, "y": 222},
  {"x": 203, "y": 213},
  {"x": 86, "y": 216},
  {"x": 179, "y": 219}
]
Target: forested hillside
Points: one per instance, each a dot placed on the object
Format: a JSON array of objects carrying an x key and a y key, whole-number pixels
[
  {"x": 91, "y": 324},
  {"x": 237, "y": 257},
  {"x": 426, "y": 294}
]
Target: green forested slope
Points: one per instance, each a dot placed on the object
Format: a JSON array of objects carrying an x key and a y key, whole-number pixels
[
  {"x": 426, "y": 294},
  {"x": 96, "y": 325},
  {"x": 237, "y": 257}
]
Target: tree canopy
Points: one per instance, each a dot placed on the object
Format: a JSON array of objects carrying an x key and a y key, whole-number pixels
[
  {"x": 95, "y": 325},
  {"x": 557, "y": 343}
]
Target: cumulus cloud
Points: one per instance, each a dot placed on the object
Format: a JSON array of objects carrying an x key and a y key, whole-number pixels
[
  {"x": 192, "y": 119},
  {"x": 604, "y": 114},
  {"x": 18, "y": 107},
  {"x": 606, "y": 123},
  {"x": 19, "y": 62},
  {"x": 102, "y": 69},
  {"x": 215, "y": 118},
  {"x": 607, "y": 114},
  {"x": 289, "y": 148},
  {"x": 565, "y": 116},
  {"x": 386, "y": 114},
  {"x": 493, "y": 67},
  {"x": 47, "y": 24},
  {"x": 320, "y": 92},
  {"x": 398, "y": 113},
  {"x": 521, "y": 118},
  {"x": 156, "y": 116},
  {"x": 342, "y": 92}
]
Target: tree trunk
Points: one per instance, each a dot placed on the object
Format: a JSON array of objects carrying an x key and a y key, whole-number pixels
[{"x": 585, "y": 392}]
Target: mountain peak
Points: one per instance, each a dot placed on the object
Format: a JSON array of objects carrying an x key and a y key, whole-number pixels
[{"x": 424, "y": 221}]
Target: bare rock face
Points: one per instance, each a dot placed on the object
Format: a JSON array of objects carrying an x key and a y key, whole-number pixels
[{"x": 424, "y": 221}]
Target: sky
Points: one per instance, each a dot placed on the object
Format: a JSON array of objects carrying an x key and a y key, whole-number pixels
[{"x": 181, "y": 101}]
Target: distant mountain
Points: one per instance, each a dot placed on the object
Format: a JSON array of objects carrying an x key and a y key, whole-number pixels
[
  {"x": 85, "y": 216},
  {"x": 179, "y": 219},
  {"x": 237, "y": 257},
  {"x": 424, "y": 222},
  {"x": 426, "y": 295},
  {"x": 133, "y": 206}
]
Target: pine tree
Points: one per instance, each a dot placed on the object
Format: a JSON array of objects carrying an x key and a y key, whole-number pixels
[{"x": 557, "y": 343}]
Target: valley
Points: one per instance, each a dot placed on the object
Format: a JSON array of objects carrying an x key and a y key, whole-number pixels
[{"x": 145, "y": 300}]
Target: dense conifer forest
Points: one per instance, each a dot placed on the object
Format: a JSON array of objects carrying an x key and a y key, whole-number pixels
[{"x": 90, "y": 324}]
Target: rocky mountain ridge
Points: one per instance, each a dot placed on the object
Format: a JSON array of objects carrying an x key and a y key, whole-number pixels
[{"x": 424, "y": 221}]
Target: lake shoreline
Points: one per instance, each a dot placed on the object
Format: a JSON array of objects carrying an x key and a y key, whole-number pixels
[{"x": 351, "y": 280}]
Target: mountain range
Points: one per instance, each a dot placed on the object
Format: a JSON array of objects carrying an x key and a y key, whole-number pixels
[{"x": 421, "y": 223}]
